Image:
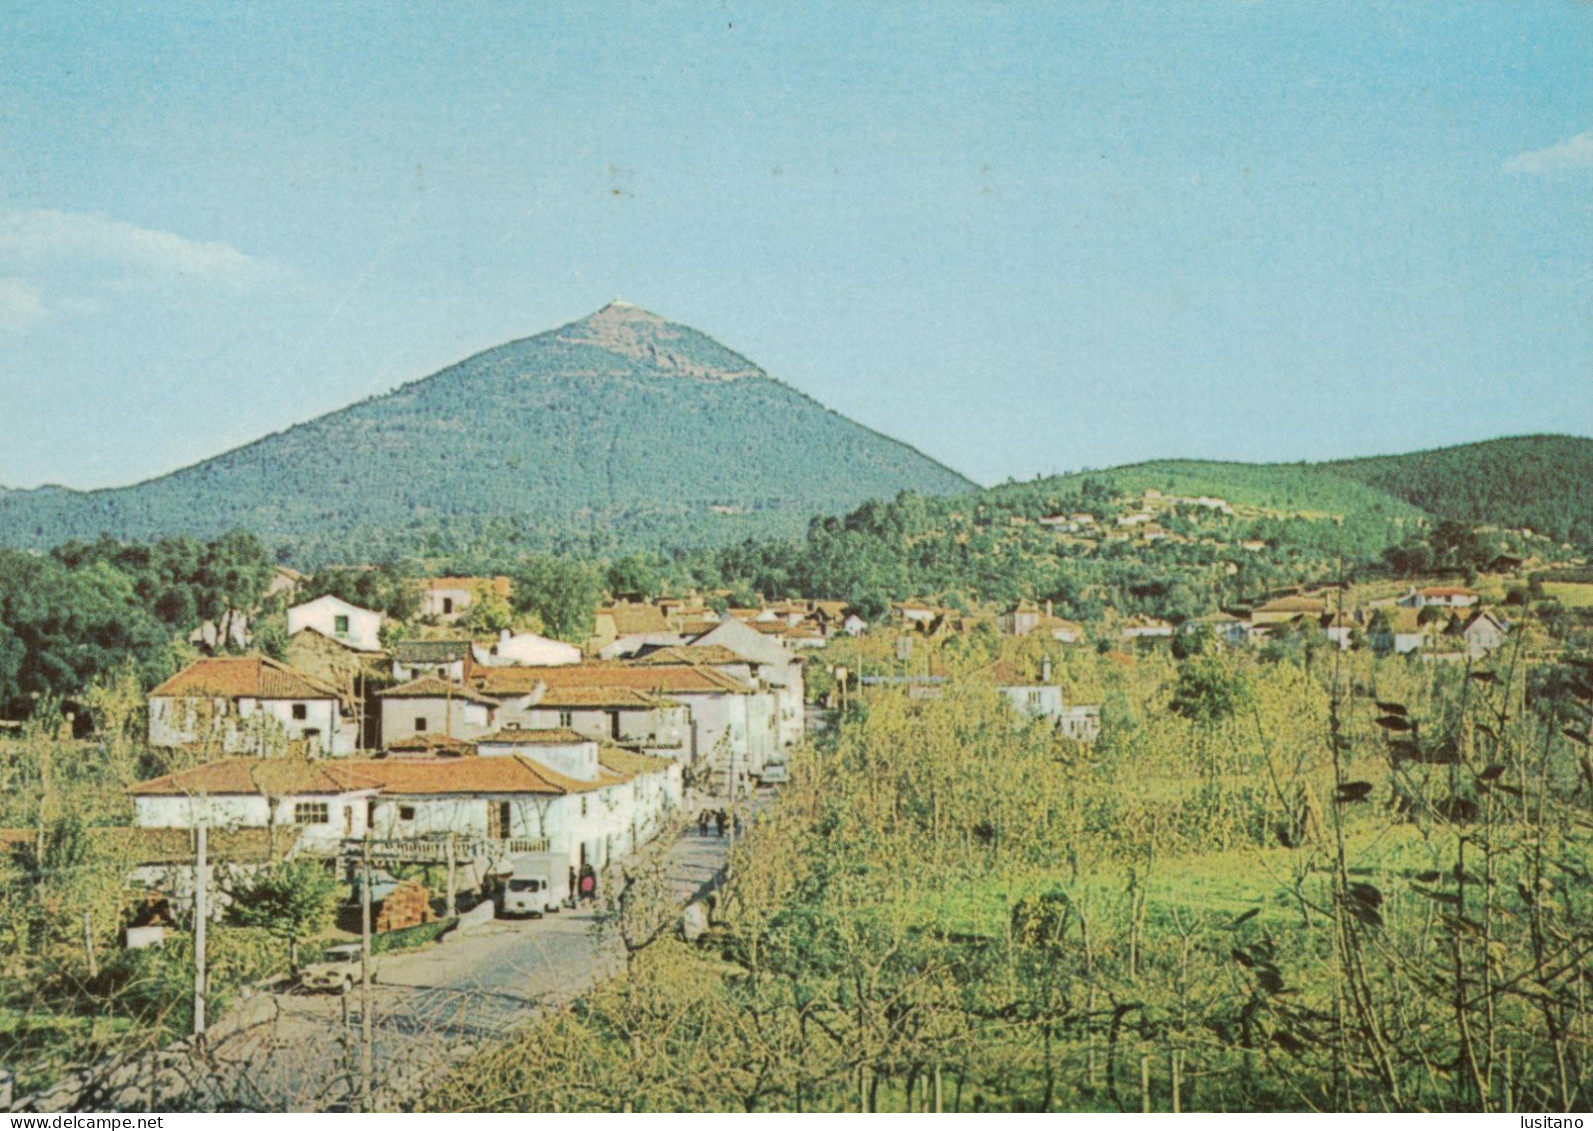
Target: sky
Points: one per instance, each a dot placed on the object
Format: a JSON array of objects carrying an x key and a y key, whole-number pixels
[{"x": 1025, "y": 238}]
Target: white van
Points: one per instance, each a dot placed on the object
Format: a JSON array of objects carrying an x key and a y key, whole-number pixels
[{"x": 539, "y": 884}]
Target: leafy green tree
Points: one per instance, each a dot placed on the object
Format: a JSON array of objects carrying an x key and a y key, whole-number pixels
[
  {"x": 489, "y": 612},
  {"x": 1211, "y": 689},
  {"x": 634, "y": 574},
  {"x": 294, "y": 900},
  {"x": 562, "y": 593}
]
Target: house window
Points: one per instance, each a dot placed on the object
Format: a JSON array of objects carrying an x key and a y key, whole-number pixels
[
  {"x": 301, "y": 711},
  {"x": 1034, "y": 698},
  {"x": 583, "y": 806},
  {"x": 311, "y": 813},
  {"x": 448, "y": 605},
  {"x": 566, "y": 718},
  {"x": 420, "y": 724},
  {"x": 442, "y": 673},
  {"x": 340, "y": 625},
  {"x": 406, "y": 812}
]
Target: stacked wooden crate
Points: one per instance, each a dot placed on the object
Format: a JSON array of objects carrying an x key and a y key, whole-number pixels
[{"x": 407, "y": 905}]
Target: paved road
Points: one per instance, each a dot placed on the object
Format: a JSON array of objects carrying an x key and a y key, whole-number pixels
[{"x": 430, "y": 1008}]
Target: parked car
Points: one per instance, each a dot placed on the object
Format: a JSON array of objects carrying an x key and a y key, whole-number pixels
[
  {"x": 338, "y": 969},
  {"x": 524, "y": 895}
]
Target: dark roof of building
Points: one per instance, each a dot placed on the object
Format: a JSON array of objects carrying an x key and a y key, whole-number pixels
[{"x": 430, "y": 651}]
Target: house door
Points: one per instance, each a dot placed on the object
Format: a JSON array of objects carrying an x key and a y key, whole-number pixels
[{"x": 497, "y": 820}]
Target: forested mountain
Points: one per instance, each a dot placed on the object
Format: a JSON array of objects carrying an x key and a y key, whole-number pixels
[
  {"x": 620, "y": 430},
  {"x": 1539, "y": 482}
]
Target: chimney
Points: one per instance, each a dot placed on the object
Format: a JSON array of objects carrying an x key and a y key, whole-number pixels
[
  {"x": 1048, "y": 606},
  {"x": 1045, "y": 666}
]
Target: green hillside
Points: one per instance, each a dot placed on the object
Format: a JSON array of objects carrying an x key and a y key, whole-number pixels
[
  {"x": 618, "y": 431},
  {"x": 1534, "y": 481},
  {"x": 1285, "y": 525},
  {"x": 1283, "y": 487}
]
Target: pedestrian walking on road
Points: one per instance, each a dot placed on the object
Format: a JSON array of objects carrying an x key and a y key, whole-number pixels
[
  {"x": 702, "y": 822},
  {"x": 719, "y": 822},
  {"x": 588, "y": 884},
  {"x": 736, "y": 819}
]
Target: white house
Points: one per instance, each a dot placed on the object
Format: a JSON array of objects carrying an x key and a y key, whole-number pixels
[
  {"x": 1400, "y": 631},
  {"x": 526, "y": 650},
  {"x": 326, "y": 801},
  {"x": 608, "y": 802},
  {"x": 569, "y": 752},
  {"x": 732, "y": 723},
  {"x": 429, "y": 705},
  {"x": 778, "y": 669},
  {"x": 914, "y": 612},
  {"x": 1339, "y": 628},
  {"x": 1481, "y": 632},
  {"x": 447, "y": 599},
  {"x": 250, "y": 705},
  {"x": 1042, "y": 699},
  {"x": 1141, "y": 628},
  {"x": 1444, "y": 596},
  {"x": 617, "y": 802},
  {"x": 332, "y": 616}
]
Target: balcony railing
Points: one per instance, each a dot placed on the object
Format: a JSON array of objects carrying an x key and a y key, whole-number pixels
[{"x": 435, "y": 850}]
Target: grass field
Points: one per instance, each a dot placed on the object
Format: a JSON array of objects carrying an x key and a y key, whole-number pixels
[
  {"x": 1571, "y": 594},
  {"x": 1210, "y": 888}
]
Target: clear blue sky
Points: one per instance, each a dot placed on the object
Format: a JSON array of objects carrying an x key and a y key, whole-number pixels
[{"x": 1024, "y": 238}]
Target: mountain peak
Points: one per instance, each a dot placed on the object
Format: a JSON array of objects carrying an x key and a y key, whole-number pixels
[{"x": 640, "y": 335}]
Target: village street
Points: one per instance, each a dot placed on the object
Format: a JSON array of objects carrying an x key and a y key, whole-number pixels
[
  {"x": 431, "y": 1007},
  {"x": 290, "y": 1050}
]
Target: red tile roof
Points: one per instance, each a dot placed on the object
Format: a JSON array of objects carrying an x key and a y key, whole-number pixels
[
  {"x": 431, "y": 743},
  {"x": 677, "y": 655},
  {"x": 618, "y": 760},
  {"x": 502, "y": 586},
  {"x": 635, "y": 619},
  {"x": 273, "y": 777},
  {"x": 430, "y": 687},
  {"x": 574, "y": 698},
  {"x": 242, "y": 677},
  {"x": 508, "y": 773},
  {"x": 522, "y": 736},
  {"x": 663, "y": 680}
]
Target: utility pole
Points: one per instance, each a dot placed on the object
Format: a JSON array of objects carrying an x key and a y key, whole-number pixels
[
  {"x": 365, "y": 979},
  {"x": 201, "y": 913},
  {"x": 453, "y": 905},
  {"x": 732, "y": 855},
  {"x": 88, "y": 942}
]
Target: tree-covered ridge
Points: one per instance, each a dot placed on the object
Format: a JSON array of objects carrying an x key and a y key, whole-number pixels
[
  {"x": 1182, "y": 553},
  {"x": 1533, "y": 481},
  {"x": 1286, "y": 488},
  {"x": 617, "y": 431},
  {"x": 993, "y": 549}
]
